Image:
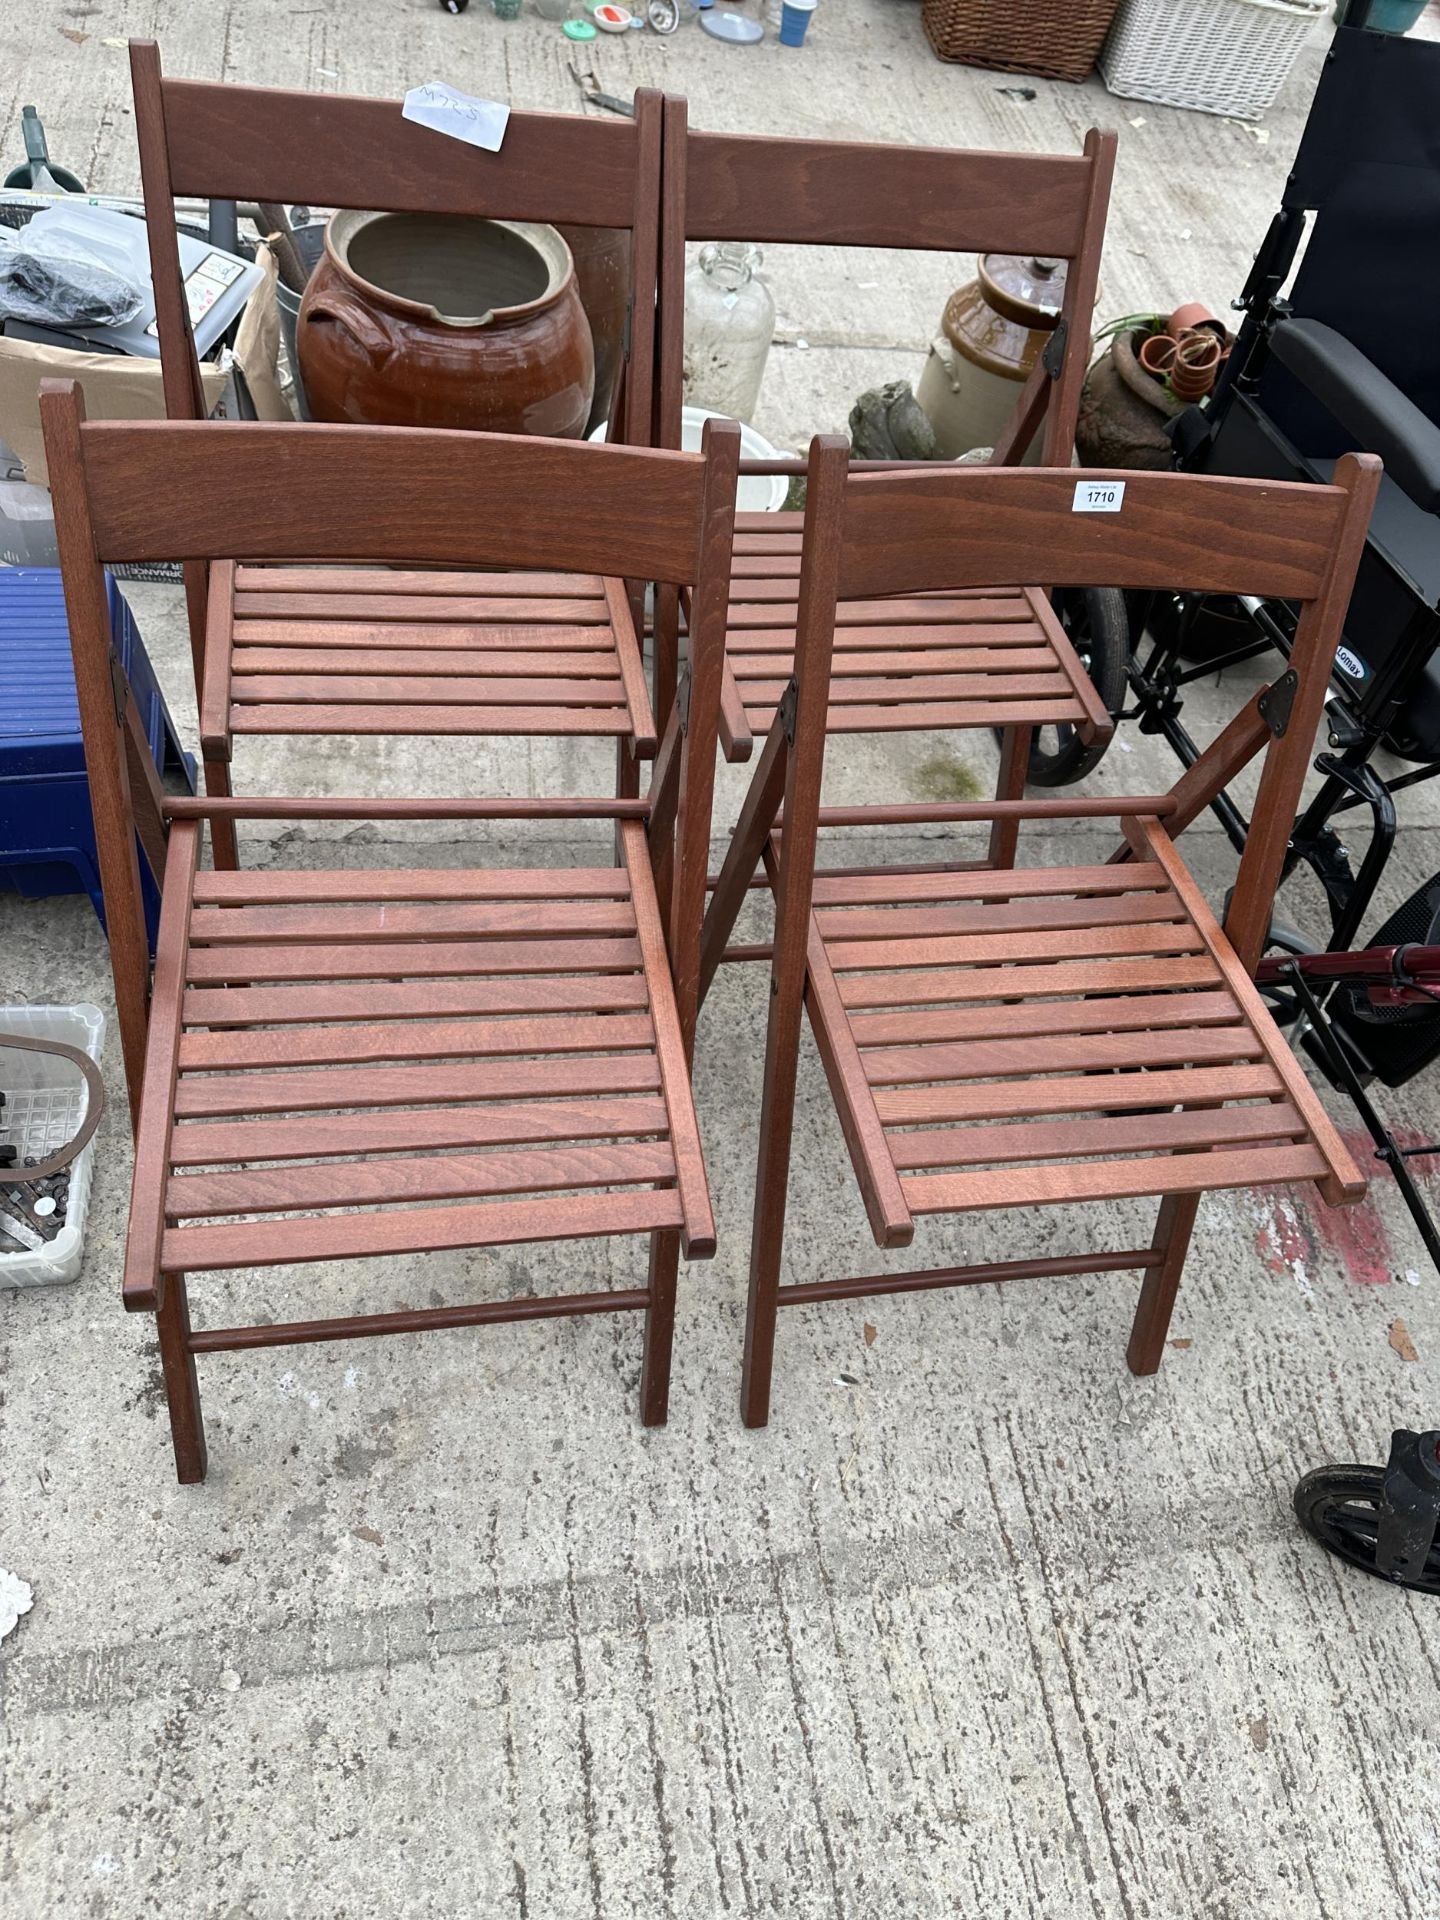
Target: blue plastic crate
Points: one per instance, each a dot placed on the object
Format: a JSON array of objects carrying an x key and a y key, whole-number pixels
[{"x": 47, "y": 838}]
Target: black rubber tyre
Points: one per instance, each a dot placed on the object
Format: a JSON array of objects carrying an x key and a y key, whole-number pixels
[
  {"x": 1099, "y": 630},
  {"x": 1339, "y": 1508},
  {"x": 453, "y": 6}
]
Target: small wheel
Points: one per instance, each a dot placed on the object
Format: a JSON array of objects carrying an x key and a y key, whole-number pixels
[
  {"x": 1095, "y": 620},
  {"x": 453, "y": 6},
  {"x": 1340, "y": 1507}
]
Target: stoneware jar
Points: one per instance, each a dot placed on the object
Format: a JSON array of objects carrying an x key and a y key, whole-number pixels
[
  {"x": 992, "y": 332},
  {"x": 444, "y": 320}
]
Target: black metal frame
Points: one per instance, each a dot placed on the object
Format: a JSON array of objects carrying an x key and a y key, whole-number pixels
[{"x": 1393, "y": 633}]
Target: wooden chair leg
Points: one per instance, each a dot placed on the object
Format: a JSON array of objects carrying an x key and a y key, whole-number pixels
[
  {"x": 772, "y": 1181},
  {"x": 182, "y": 1388},
  {"x": 659, "y": 1328},
  {"x": 1161, "y": 1284},
  {"x": 1014, "y": 765},
  {"x": 224, "y": 845}
]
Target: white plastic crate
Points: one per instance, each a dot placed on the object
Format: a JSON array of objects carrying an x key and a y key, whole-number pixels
[
  {"x": 1218, "y": 56},
  {"x": 44, "y": 1106}
]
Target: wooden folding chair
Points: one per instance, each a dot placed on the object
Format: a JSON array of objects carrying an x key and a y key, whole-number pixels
[
  {"x": 1017, "y": 1038},
  {"x": 993, "y": 656},
  {"x": 335, "y": 649},
  {"x": 326, "y": 1064}
]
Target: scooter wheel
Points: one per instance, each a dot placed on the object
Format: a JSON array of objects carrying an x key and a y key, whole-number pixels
[{"x": 1340, "y": 1507}]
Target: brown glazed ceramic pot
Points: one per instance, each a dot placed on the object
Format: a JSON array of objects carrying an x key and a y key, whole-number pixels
[
  {"x": 602, "y": 273},
  {"x": 442, "y": 320}
]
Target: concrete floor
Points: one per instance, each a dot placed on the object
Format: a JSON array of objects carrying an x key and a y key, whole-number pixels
[{"x": 982, "y": 1625}]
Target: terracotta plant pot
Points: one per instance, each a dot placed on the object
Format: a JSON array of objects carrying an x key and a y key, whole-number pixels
[
  {"x": 1157, "y": 354},
  {"x": 1192, "y": 318},
  {"x": 1197, "y": 361},
  {"x": 441, "y": 320}
]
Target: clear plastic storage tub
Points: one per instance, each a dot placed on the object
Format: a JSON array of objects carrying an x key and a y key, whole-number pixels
[{"x": 44, "y": 1106}]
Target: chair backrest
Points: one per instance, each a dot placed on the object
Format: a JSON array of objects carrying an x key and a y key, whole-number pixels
[
  {"x": 869, "y": 535},
  {"x": 130, "y": 491},
  {"x": 335, "y": 150},
  {"x": 925, "y": 199}
]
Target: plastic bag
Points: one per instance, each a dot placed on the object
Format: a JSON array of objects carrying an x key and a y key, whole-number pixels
[{"x": 51, "y": 278}]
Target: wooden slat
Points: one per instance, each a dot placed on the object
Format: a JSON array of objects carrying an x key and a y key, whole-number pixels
[
  {"x": 875, "y": 689},
  {"x": 891, "y": 885},
  {"x": 393, "y": 1182},
  {"x": 356, "y": 689},
  {"x": 1114, "y": 976},
  {"x": 350, "y": 1236},
  {"x": 411, "y": 1130},
  {"x": 402, "y": 920},
  {"x": 857, "y": 925},
  {"x": 974, "y": 949},
  {"x": 398, "y": 719},
  {"x": 777, "y": 592},
  {"x": 1111, "y": 1179},
  {"x": 892, "y": 664},
  {"x": 1148, "y": 1012},
  {"x": 397, "y": 666},
  {"x": 915, "y": 716},
  {"x": 1058, "y": 1053},
  {"x": 412, "y": 1040},
  {"x": 413, "y": 999},
  {"x": 860, "y": 638},
  {"x": 409, "y": 637},
  {"x": 1091, "y": 1093},
  {"x": 211, "y": 965},
  {"x": 398, "y": 606},
  {"x": 1092, "y": 1138},
  {"x": 391, "y": 580},
  {"x": 903, "y": 613},
  {"x": 351, "y": 884},
  {"x": 319, "y": 1090}
]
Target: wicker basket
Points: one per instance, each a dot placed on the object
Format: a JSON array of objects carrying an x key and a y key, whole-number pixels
[
  {"x": 1057, "y": 38},
  {"x": 1218, "y": 56}
]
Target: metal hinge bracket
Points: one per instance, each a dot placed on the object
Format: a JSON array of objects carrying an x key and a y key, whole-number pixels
[
  {"x": 786, "y": 711},
  {"x": 1053, "y": 358},
  {"x": 119, "y": 687},
  {"x": 1277, "y": 702}
]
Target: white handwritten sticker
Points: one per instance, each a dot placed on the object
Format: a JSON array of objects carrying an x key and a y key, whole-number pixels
[
  {"x": 464, "y": 116},
  {"x": 1098, "y": 496}
]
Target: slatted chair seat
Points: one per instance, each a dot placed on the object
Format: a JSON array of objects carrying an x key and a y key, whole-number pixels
[
  {"x": 398, "y": 1062},
  {"x": 976, "y": 658},
  {"x": 331, "y": 650},
  {"x": 1048, "y": 1034}
]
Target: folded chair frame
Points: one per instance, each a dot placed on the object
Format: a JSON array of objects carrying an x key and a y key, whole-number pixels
[
  {"x": 962, "y": 1015},
  {"x": 340, "y": 1064},
  {"x": 342, "y": 649},
  {"x": 992, "y": 656}
]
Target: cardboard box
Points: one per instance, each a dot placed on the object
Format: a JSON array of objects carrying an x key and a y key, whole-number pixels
[{"x": 116, "y": 387}]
